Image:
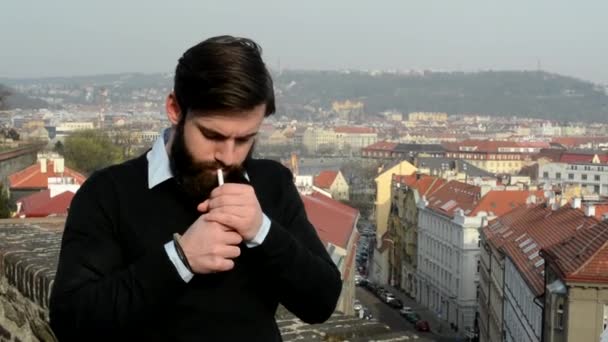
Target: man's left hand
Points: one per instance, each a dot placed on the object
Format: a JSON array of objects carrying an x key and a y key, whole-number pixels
[{"x": 236, "y": 206}]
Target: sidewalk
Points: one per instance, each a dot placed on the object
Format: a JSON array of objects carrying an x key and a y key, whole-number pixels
[{"x": 438, "y": 327}]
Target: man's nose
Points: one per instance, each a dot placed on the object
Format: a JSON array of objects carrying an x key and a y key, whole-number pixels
[{"x": 225, "y": 152}]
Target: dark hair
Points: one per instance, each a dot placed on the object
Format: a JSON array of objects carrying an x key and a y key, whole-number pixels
[{"x": 223, "y": 72}]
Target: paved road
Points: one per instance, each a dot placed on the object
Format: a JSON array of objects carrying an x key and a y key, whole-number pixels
[
  {"x": 389, "y": 316},
  {"x": 386, "y": 314}
]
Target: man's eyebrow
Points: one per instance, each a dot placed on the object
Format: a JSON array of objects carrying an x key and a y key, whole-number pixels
[{"x": 216, "y": 134}]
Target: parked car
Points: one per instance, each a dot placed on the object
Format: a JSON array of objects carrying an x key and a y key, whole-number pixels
[
  {"x": 395, "y": 303},
  {"x": 405, "y": 310},
  {"x": 423, "y": 326},
  {"x": 412, "y": 317},
  {"x": 387, "y": 297}
]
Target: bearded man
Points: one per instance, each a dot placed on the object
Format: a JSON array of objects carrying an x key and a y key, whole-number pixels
[{"x": 154, "y": 249}]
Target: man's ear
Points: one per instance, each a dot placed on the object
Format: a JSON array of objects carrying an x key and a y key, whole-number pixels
[{"x": 174, "y": 113}]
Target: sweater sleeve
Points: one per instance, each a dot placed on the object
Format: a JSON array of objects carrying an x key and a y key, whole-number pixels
[
  {"x": 95, "y": 292},
  {"x": 308, "y": 281}
]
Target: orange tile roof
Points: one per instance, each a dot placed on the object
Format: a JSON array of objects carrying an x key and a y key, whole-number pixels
[
  {"x": 584, "y": 158},
  {"x": 41, "y": 204},
  {"x": 452, "y": 196},
  {"x": 524, "y": 231},
  {"x": 325, "y": 179},
  {"x": 425, "y": 184},
  {"x": 32, "y": 177},
  {"x": 583, "y": 257},
  {"x": 577, "y": 141},
  {"x": 354, "y": 130},
  {"x": 334, "y": 221},
  {"x": 381, "y": 145},
  {"x": 500, "y": 202}
]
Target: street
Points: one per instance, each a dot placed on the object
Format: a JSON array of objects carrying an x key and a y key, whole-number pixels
[{"x": 390, "y": 316}]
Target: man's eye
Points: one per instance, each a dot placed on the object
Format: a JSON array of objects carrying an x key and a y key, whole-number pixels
[{"x": 242, "y": 140}]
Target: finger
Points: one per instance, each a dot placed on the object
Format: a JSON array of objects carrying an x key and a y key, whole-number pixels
[
  {"x": 231, "y": 189},
  {"x": 228, "y": 200},
  {"x": 229, "y": 252},
  {"x": 203, "y": 207},
  {"x": 220, "y": 264},
  {"x": 231, "y": 238},
  {"x": 227, "y": 219}
]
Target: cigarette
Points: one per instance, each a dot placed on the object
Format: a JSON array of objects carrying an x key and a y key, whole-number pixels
[{"x": 220, "y": 177}]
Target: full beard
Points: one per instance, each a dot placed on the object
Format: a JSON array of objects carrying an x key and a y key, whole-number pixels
[{"x": 196, "y": 179}]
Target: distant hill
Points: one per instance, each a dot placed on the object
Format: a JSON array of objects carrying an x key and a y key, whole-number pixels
[
  {"x": 534, "y": 94},
  {"x": 10, "y": 99},
  {"x": 497, "y": 93}
]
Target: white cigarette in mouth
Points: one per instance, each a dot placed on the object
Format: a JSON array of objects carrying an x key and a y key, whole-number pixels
[{"x": 220, "y": 177}]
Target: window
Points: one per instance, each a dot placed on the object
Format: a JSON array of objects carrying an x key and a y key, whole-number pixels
[
  {"x": 478, "y": 265},
  {"x": 596, "y": 189},
  {"x": 597, "y": 178},
  {"x": 571, "y": 176},
  {"x": 545, "y": 174},
  {"x": 560, "y": 317},
  {"x": 558, "y": 175},
  {"x": 584, "y": 176}
]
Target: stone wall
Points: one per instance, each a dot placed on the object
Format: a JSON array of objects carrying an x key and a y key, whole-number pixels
[{"x": 28, "y": 260}]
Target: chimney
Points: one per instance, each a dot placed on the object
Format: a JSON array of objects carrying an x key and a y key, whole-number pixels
[
  {"x": 589, "y": 210},
  {"x": 576, "y": 202},
  {"x": 58, "y": 165},
  {"x": 485, "y": 188},
  {"x": 42, "y": 165},
  {"x": 531, "y": 199}
]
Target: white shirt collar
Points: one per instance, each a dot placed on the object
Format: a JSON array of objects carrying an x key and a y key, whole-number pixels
[{"x": 159, "y": 169}]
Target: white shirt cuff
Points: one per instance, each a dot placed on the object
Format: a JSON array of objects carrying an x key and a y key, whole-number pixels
[
  {"x": 177, "y": 262},
  {"x": 261, "y": 235}
]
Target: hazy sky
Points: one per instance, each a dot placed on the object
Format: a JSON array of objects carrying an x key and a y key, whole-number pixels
[{"x": 76, "y": 37}]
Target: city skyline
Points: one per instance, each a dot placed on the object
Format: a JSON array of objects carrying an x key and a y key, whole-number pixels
[{"x": 71, "y": 38}]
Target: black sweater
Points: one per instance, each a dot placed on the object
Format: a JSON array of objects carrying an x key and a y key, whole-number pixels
[{"x": 115, "y": 281}]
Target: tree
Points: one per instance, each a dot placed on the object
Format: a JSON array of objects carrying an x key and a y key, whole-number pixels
[
  {"x": 59, "y": 148},
  {"x": 7, "y": 206},
  {"x": 90, "y": 150}
]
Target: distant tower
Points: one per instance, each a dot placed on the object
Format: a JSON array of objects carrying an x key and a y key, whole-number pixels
[
  {"x": 538, "y": 65},
  {"x": 103, "y": 100}
]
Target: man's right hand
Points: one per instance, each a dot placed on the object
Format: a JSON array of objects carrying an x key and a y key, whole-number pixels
[{"x": 210, "y": 246}]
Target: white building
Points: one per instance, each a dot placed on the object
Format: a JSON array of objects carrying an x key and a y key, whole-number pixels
[
  {"x": 448, "y": 254},
  {"x": 591, "y": 174}
]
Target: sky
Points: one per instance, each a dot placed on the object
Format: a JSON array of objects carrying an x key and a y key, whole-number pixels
[{"x": 41, "y": 38}]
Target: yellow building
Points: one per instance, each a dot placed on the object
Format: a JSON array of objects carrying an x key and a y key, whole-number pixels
[
  {"x": 428, "y": 116},
  {"x": 338, "y": 138},
  {"x": 383, "y": 181}
]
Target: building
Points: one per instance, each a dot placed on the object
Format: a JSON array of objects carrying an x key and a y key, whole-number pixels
[
  {"x": 349, "y": 110},
  {"x": 512, "y": 270},
  {"x": 336, "y": 224},
  {"x": 45, "y": 174},
  {"x": 590, "y": 171},
  {"x": 66, "y": 128},
  {"x": 44, "y": 204},
  {"x": 448, "y": 252},
  {"x": 451, "y": 169},
  {"x": 428, "y": 117},
  {"x": 388, "y": 150},
  {"x": 448, "y": 246},
  {"x": 576, "y": 279},
  {"x": 334, "y": 183},
  {"x": 344, "y": 138},
  {"x": 401, "y": 237},
  {"x": 379, "y": 267},
  {"x": 495, "y": 156}
]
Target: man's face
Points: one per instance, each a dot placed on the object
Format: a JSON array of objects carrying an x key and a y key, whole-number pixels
[{"x": 205, "y": 142}]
